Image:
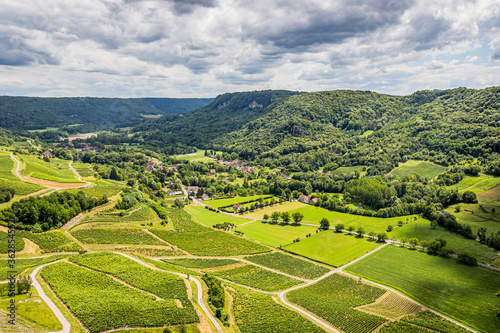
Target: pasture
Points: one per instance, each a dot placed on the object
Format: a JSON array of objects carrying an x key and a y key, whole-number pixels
[
  {"x": 348, "y": 169},
  {"x": 462, "y": 292},
  {"x": 332, "y": 248},
  {"x": 217, "y": 203},
  {"x": 477, "y": 184},
  {"x": 199, "y": 156},
  {"x": 421, "y": 168},
  {"x": 209, "y": 218},
  {"x": 283, "y": 207}
]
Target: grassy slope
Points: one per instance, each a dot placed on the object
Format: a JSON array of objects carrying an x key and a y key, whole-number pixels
[
  {"x": 209, "y": 218},
  {"x": 57, "y": 170},
  {"x": 8, "y": 179},
  {"x": 459, "y": 291},
  {"x": 284, "y": 207},
  {"x": 335, "y": 249},
  {"x": 421, "y": 168},
  {"x": 231, "y": 201}
]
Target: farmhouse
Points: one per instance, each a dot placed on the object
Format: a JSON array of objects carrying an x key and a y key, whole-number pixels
[
  {"x": 304, "y": 198},
  {"x": 236, "y": 207},
  {"x": 205, "y": 197},
  {"x": 46, "y": 154},
  {"x": 212, "y": 171}
]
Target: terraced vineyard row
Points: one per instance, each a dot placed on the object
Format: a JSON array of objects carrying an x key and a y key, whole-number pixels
[
  {"x": 391, "y": 306},
  {"x": 334, "y": 299},
  {"x": 115, "y": 236},
  {"x": 51, "y": 241},
  {"x": 201, "y": 263},
  {"x": 289, "y": 264},
  {"x": 257, "y": 277}
]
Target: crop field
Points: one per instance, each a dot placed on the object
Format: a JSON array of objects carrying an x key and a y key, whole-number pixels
[
  {"x": 343, "y": 170},
  {"x": 430, "y": 320},
  {"x": 391, "y": 306},
  {"x": 334, "y": 299},
  {"x": 232, "y": 201},
  {"x": 442, "y": 284},
  {"x": 477, "y": 184},
  {"x": 332, "y": 248},
  {"x": 257, "y": 277},
  {"x": 284, "y": 207},
  {"x": 210, "y": 243},
  {"x": 209, "y": 218},
  {"x": 151, "y": 251},
  {"x": 100, "y": 188},
  {"x": 200, "y": 240},
  {"x": 200, "y": 263},
  {"x": 4, "y": 242},
  {"x": 57, "y": 170},
  {"x": 421, "y": 168},
  {"x": 115, "y": 236},
  {"x": 102, "y": 303},
  {"x": 314, "y": 214},
  {"x": 256, "y": 312},
  {"x": 141, "y": 214},
  {"x": 275, "y": 234},
  {"x": 83, "y": 169},
  {"x": 289, "y": 264},
  {"x": 8, "y": 179},
  {"x": 23, "y": 264},
  {"x": 164, "y": 285},
  {"x": 51, "y": 241}
]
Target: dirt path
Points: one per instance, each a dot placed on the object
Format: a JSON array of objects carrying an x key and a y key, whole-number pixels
[
  {"x": 89, "y": 184},
  {"x": 18, "y": 165},
  {"x": 198, "y": 285}
]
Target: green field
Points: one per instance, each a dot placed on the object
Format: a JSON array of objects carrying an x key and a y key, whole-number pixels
[
  {"x": 474, "y": 216},
  {"x": 421, "y": 168},
  {"x": 57, "y": 170},
  {"x": 334, "y": 299},
  {"x": 332, "y": 248},
  {"x": 284, "y": 207},
  {"x": 8, "y": 179},
  {"x": 102, "y": 303},
  {"x": 23, "y": 264},
  {"x": 199, "y": 156},
  {"x": 477, "y": 184},
  {"x": 256, "y": 312},
  {"x": 4, "y": 242},
  {"x": 462, "y": 292},
  {"x": 275, "y": 234},
  {"x": 314, "y": 214},
  {"x": 344, "y": 170},
  {"x": 421, "y": 230},
  {"x": 139, "y": 214},
  {"x": 232, "y": 201},
  {"x": 289, "y": 264},
  {"x": 256, "y": 277},
  {"x": 209, "y": 218}
]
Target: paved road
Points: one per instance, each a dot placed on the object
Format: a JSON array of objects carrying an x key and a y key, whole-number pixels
[
  {"x": 65, "y": 323},
  {"x": 198, "y": 285}
]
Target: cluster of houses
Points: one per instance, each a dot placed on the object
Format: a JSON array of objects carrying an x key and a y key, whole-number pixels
[
  {"x": 47, "y": 153},
  {"x": 86, "y": 148},
  {"x": 307, "y": 199},
  {"x": 151, "y": 166},
  {"x": 237, "y": 164}
]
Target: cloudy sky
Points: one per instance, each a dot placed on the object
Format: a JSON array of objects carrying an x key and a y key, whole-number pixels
[{"x": 201, "y": 48}]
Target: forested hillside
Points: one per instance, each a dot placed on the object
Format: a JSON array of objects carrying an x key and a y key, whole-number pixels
[
  {"x": 340, "y": 128},
  {"x": 28, "y": 113}
]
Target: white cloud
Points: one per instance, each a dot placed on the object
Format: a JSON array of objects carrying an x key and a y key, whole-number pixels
[{"x": 205, "y": 47}]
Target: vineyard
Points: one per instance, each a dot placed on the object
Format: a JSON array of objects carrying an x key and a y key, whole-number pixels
[
  {"x": 164, "y": 285},
  {"x": 23, "y": 264},
  {"x": 199, "y": 240},
  {"x": 115, "y": 236},
  {"x": 100, "y": 188},
  {"x": 440, "y": 283},
  {"x": 102, "y": 303},
  {"x": 255, "y": 312},
  {"x": 289, "y": 264},
  {"x": 200, "y": 263},
  {"x": 51, "y": 241},
  {"x": 432, "y": 321},
  {"x": 141, "y": 214},
  {"x": 151, "y": 251},
  {"x": 209, "y": 218},
  {"x": 402, "y": 327},
  {"x": 334, "y": 299},
  {"x": 257, "y": 277},
  {"x": 391, "y": 306},
  {"x": 56, "y": 170}
]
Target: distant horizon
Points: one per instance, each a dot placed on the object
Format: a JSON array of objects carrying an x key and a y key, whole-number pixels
[{"x": 245, "y": 91}]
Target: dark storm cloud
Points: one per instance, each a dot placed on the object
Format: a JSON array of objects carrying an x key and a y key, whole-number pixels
[{"x": 14, "y": 51}]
